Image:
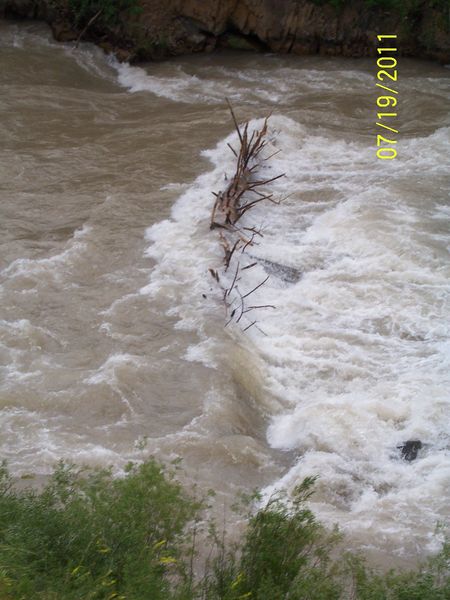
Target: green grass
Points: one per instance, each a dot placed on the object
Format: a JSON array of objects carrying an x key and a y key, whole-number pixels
[{"x": 90, "y": 536}]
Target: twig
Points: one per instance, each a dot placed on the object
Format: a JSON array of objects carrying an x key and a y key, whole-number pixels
[
  {"x": 234, "y": 119},
  {"x": 250, "y": 266},
  {"x": 90, "y": 22},
  {"x": 234, "y": 280},
  {"x": 251, "y": 325},
  {"x": 260, "y": 306},
  {"x": 257, "y": 287}
]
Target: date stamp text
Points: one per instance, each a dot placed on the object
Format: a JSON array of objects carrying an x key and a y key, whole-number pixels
[{"x": 387, "y": 100}]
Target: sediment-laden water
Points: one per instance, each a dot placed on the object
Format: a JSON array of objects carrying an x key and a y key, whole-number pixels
[{"x": 112, "y": 336}]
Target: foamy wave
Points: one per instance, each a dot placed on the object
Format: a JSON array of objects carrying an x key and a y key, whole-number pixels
[
  {"x": 180, "y": 86},
  {"x": 277, "y": 85},
  {"x": 55, "y": 267}
]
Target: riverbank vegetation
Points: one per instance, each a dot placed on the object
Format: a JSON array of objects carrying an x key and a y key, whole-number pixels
[
  {"x": 92, "y": 536},
  {"x": 110, "y": 12}
]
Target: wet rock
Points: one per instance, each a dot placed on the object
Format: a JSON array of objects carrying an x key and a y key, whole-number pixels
[
  {"x": 241, "y": 42},
  {"x": 106, "y": 46},
  {"x": 410, "y": 449},
  {"x": 123, "y": 55},
  {"x": 308, "y": 26},
  {"x": 63, "y": 32},
  {"x": 283, "y": 272}
]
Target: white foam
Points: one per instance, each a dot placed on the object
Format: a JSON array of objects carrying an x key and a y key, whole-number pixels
[
  {"x": 179, "y": 86},
  {"x": 55, "y": 267},
  {"x": 274, "y": 86}
]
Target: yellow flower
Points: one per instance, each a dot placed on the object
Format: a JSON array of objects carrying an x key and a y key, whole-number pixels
[
  {"x": 237, "y": 581},
  {"x": 159, "y": 544},
  {"x": 167, "y": 560}
]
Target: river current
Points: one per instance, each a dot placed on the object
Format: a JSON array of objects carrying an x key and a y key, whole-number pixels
[{"x": 112, "y": 337}]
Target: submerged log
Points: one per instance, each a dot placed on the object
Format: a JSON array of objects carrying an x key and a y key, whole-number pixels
[{"x": 284, "y": 272}]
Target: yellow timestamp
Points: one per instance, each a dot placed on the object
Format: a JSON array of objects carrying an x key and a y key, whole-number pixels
[{"x": 386, "y": 80}]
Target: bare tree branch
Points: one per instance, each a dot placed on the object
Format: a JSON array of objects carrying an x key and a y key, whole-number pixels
[{"x": 230, "y": 205}]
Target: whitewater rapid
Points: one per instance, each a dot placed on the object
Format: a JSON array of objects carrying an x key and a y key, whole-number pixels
[{"x": 356, "y": 353}]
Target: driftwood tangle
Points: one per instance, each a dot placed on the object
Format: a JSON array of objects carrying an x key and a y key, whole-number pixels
[
  {"x": 231, "y": 204},
  {"x": 244, "y": 191}
]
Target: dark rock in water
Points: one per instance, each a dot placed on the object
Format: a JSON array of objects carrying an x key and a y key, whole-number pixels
[
  {"x": 410, "y": 449},
  {"x": 283, "y": 272}
]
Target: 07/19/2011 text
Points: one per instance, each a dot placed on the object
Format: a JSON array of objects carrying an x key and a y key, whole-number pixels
[{"x": 386, "y": 74}]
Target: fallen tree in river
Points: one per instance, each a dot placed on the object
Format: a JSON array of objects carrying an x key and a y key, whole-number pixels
[{"x": 244, "y": 191}]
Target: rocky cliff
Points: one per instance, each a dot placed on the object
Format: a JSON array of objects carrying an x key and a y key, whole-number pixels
[{"x": 163, "y": 28}]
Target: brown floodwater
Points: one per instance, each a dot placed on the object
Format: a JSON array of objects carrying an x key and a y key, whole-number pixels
[{"x": 112, "y": 337}]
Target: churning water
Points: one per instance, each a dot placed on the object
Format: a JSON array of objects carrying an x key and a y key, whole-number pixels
[{"x": 112, "y": 331}]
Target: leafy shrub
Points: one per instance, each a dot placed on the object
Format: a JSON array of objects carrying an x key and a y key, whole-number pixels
[
  {"x": 91, "y": 536},
  {"x": 286, "y": 552},
  {"x": 429, "y": 582}
]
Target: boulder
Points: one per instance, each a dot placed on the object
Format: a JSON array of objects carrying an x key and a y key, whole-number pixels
[{"x": 410, "y": 449}]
